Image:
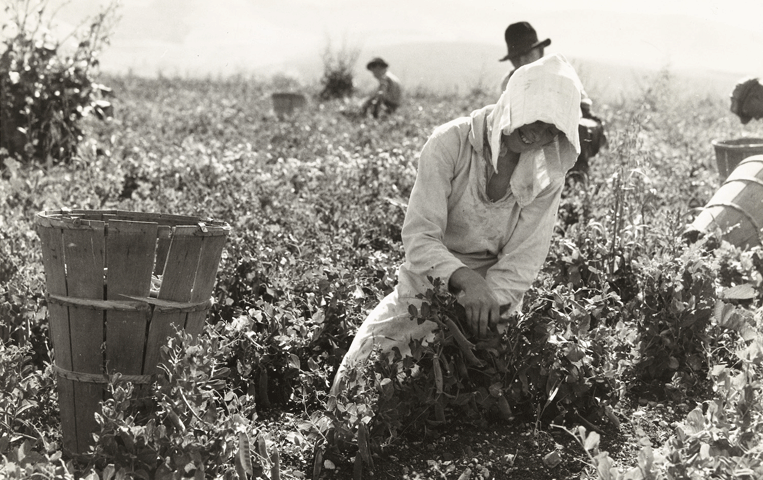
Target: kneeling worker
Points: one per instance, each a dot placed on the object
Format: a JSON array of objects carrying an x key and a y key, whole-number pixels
[{"x": 388, "y": 95}]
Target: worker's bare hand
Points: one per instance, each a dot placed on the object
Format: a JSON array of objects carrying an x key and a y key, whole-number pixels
[{"x": 479, "y": 302}]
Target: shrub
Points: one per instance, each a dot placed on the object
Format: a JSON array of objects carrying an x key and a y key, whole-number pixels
[
  {"x": 677, "y": 303},
  {"x": 45, "y": 91},
  {"x": 337, "y": 78}
]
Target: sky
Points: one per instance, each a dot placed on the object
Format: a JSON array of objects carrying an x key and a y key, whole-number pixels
[{"x": 190, "y": 37}]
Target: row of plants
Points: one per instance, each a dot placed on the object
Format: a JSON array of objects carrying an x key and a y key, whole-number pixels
[{"x": 620, "y": 305}]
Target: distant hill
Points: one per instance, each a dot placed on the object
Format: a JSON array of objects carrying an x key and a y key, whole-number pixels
[
  {"x": 460, "y": 67},
  {"x": 616, "y": 52}
]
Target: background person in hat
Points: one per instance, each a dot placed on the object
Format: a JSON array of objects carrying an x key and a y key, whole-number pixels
[
  {"x": 523, "y": 48},
  {"x": 482, "y": 211},
  {"x": 747, "y": 100},
  {"x": 389, "y": 94}
]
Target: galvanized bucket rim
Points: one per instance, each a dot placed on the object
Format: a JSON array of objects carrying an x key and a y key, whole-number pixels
[{"x": 738, "y": 143}]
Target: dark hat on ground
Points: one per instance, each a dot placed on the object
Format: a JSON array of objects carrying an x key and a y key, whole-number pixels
[
  {"x": 520, "y": 39},
  {"x": 376, "y": 62},
  {"x": 739, "y": 96}
]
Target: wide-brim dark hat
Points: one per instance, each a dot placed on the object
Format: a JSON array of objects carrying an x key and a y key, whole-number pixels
[
  {"x": 520, "y": 39},
  {"x": 376, "y": 62},
  {"x": 739, "y": 96}
]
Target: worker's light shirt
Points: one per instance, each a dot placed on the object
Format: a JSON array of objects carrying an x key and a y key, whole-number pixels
[
  {"x": 450, "y": 222},
  {"x": 390, "y": 88}
]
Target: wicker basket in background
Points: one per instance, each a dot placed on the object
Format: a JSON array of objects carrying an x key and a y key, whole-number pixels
[
  {"x": 286, "y": 103},
  {"x": 736, "y": 209}
]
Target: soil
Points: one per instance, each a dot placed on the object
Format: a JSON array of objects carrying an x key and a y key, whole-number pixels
[{"x": 514, "y": 450}]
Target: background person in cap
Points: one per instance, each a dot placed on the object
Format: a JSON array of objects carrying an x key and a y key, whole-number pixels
[
  {"x": 524, "y": 48},
  {"x": 747, "y": 100},
  {"x": 389, "y": 94}
]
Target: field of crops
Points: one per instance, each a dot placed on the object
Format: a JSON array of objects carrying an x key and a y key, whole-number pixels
[{"x": 629, "y": 360}]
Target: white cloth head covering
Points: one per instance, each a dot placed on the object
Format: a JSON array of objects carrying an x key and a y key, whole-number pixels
[{"x": 547, "y": 90}]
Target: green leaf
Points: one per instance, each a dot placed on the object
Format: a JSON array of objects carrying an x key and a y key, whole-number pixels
[
  {"x": 673, "y": 363},
  {"x": 575, "y": 353},
  {"x": 294, "y": 361},
  {"x": 606, "y": 467},
  {"x": 592, "y": 441},
  {"x": 646, "y": 459},
  {"x": 753, "y": 352},
  {"x": 312, "y": 365},
  {"x": 496, "y": 389},
  {"x": 744, "y": 291},
  {"x": 695, "y": 422}
]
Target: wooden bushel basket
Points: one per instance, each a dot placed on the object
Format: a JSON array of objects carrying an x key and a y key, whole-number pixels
[
  {"x": 736, "y": 209},
  {"x": 119, "y": 283},
  {"x": 286, "y": 103},
  {"x": 728, "y": 153}
]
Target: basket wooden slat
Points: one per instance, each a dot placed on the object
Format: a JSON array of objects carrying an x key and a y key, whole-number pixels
[
  {"x": 52, "y": 241},
  {"x": 180, "y": 268},
  {"x": 212, "y": 250},
  {"x": 84, "y": 252},
  {"x": 162, "y": 247},
  {"x": 177, "y": 283},
  {"x": 128, "y": 274}
]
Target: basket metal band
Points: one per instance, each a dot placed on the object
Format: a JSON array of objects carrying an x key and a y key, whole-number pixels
[
  {"x": 99, "y": 219},
  {"x": 138, "y": 304},
  {"x": 97, "y": 304},
  {"x": 162, "y": 231},
  {"x": 103, "y": 379}
]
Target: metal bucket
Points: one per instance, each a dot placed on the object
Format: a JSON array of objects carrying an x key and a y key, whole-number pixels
[{"x": 728, "y": 153}]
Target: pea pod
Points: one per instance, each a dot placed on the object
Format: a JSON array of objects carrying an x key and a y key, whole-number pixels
[
  {"x": 275, "y": 469},
  {"x": 176, "y": 421},
  {"x": 505, "y": 408},
  {"x": 262, "y": 448},
  {"x": 365, "y": 452},
  {"x": 317, "y": 461},
  {"x": 458, "y": 335},
  {"x": 263, "y": 388},
  {"x": 437, "y": 374},
  {"x": 465, "y": 345},
  {"x": 439, "y": 412},
  {"x": 463, "y": 373},
  {"x": 244, "y": 455},
  {"x": 357, "y": 468}
]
